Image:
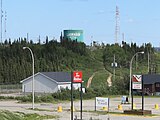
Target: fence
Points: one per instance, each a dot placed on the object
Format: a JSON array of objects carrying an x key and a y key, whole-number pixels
[{"x": 10, "y": 88}]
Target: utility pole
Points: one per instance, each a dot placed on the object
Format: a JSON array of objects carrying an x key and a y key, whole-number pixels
[
  {"x": 148, "y": 61},
  {"x": 91, "y": 41},
  {"x": 136, "y": 60},
  {"x": 27, "y": 37},
  {"x": 114, "y": 65},
  {"x": 123, "y": 37}
]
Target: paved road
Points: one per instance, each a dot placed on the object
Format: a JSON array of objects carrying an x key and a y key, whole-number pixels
[{"x": 88, "y": 105}]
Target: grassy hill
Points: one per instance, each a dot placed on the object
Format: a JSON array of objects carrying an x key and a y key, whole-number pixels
[
  {"x": 94, "y": 62},
  {"x": 123, "y": 58}
]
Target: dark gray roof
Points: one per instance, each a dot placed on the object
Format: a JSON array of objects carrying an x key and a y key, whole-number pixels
[
  {"x": 58, "y": 76},
  {"x": 151, "y": 79}
]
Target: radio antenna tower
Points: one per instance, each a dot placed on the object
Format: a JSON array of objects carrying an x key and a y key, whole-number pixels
[
  {"x": 1, "y": 21},
  {"x": 117, "y": 28},
  {"x": 5, "y": 24}
]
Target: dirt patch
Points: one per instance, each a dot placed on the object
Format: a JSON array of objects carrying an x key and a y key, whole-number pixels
[
  {"x": 109, "y": 80},
  {"x": 90, "y": 80}
]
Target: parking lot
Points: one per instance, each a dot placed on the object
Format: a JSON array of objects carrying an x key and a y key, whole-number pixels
[{"x": 88, "y": 109}]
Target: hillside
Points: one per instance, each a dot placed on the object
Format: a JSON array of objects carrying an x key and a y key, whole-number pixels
[
  {"x": 16, "y": 63},
  {"x": 66, "y": 55}
]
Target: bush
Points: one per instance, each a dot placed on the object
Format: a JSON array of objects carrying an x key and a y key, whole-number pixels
[
  {"x": 46, "y": 98},
  {"x": 43, "y": 98},
  {"x": 24, "y": 98},
  {"x": 6, "y": 97}
]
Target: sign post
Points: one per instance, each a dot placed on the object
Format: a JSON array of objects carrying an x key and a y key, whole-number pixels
[
  {"x": 142, "y": 94},
  {"x": 71, "y": 95},
  {"x": 137, "y": 84},
  {"x": 76, "y": 77},
  {"x": 81, "y": 99}
]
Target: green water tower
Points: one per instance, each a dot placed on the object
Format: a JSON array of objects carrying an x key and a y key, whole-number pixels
[{"x": 73, "y": 35}]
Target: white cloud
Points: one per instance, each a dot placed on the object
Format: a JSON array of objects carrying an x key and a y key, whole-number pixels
[
  {"x": 130, "y": 20},
  {"x": 101, "y": 12}
]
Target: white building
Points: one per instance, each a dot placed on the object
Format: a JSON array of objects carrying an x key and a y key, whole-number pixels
[{"x": 48, "y": 82}]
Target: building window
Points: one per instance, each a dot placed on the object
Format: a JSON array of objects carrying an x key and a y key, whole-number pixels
[{"x": 157, "y": 84}]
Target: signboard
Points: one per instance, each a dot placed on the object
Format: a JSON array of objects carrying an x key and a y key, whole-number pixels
[
  {"x": 114, "y": 64},
  {"x": 83, "y": 90},
  {"x": 137, "y": 82},
  {"x": 102, "y": 102},
  {"x": 77, "y": 76},
  {"x": 74, "y": 35}
]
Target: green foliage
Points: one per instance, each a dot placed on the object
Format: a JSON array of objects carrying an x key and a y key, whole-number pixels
[
  {"x": 16, "y": 63},
  {"x": 66, "y": 94},
  {"x": 24, "y": 98},
  {"x": 7, "y": 115},
  {"x": 37, "y": 117},
  {"x": 124, "y": 54},
  {"x": 46, "y": 98},
  {"x": 43, "y": 98},
  {"x": 6, "y": 97},
  {"x": 67, "y": 55}
]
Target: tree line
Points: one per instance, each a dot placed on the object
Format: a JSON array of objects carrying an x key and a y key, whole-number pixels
[
  {"x": 66, "y": 55},
  {"x": 16, "y": 63},
  {"x": 124, "y": 52}
]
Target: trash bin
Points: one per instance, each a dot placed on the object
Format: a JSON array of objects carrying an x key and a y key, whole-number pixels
[
  {"x": 127, "y": 101},
  {"x": 123, "y": 99}
]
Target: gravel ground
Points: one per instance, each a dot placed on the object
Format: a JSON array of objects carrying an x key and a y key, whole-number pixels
[{"x": 88, "y": 105}]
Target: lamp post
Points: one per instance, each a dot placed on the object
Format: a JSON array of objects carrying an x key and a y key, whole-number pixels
[
  {"x": 131, "y": 74},
  {"x": 33, "y": 75}
]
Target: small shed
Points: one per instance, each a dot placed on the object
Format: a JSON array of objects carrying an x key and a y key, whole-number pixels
[
  {"x": 48, "y": 82},
  {"x": 151, "y": 84}
]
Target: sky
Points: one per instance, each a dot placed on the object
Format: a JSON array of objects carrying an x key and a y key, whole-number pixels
[{"x": 139, "y": 19}]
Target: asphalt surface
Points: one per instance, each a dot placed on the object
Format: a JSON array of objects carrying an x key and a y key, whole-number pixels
[{"x": 88, "y": 108}]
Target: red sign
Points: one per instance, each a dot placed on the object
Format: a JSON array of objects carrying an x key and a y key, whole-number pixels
[
  {"x": 77, "y": 76},
  {"x": 136, "y": 78},
  {"x": 137, "y": 82}
]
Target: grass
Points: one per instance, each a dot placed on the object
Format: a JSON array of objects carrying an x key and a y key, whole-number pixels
[
  {"x": 37, "y": 117},
  {"x": 7, "y": 115}
]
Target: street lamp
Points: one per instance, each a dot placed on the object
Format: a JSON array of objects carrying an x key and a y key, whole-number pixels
[
  {"x": 33, "y": 75},
  {"x": 131, "y": 74}
]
